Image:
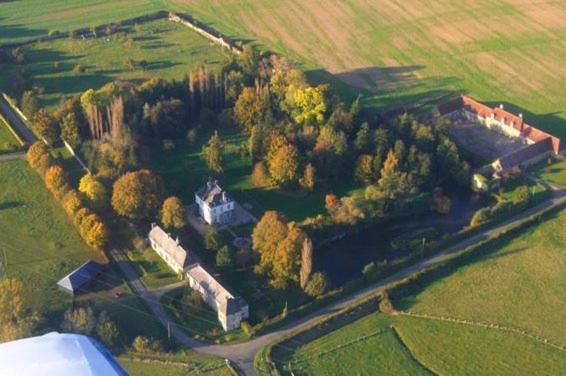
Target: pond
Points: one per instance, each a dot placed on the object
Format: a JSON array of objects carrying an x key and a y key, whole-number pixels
[{"x": 343, "y": 260}]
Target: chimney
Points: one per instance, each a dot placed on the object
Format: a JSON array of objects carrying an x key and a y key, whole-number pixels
[
  {"x": 521, "y": 115},
  {"x": 223, "y": 196},
  {"x": 501, "y": 106},
  {"x": 177, "y": 240}
]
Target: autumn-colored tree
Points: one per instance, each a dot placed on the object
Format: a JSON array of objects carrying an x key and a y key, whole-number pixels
[
  {"x": 317, "y": 285},
  {"x": 106, "y": 329},
  {"x": 56, "y": 181},
  {"x": 29, "y": 104},
  {"x": 93, "y": 231},
  {"x": 79, "y": 320},
  {"x": 45, "y": 162},
  {"x": 284, "y": 164},
  {"x": 306, "y": 262},
  {"x": 308, "y": 105},
  {"x": 268, "y": 232},
  {"x": 173, "y": 214},
  {"x": 94, "y": 191},
  {"x": 16, "y": 319},
  {"x": 330, "y": 200},
  {"x": 260, "y": 175},
  {"x": 309, "y": 178},
  {"x": 72, "y": 202},
  {"x": 35, "y": 152},
  {"x": 80, "y": 215},
  {"x": 45, "y": 126},
  {"x": 364, "y": 169},
  {"x": 213, "y": 153},
  {"x": 251, "y": 108},
  {"x": 392, "y": 184},
  {"x": 137, "y": 195},
  {"x": 286, "y": 262}
]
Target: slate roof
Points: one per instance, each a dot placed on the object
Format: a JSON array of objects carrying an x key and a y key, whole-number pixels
[
  {"x": 228, "y": 303},
  {"x": 212, "y": 194},
  {"x": 170, "y": 246},
  {"x": 75, "y": 280},
  {"x": 524, "y": 154}
]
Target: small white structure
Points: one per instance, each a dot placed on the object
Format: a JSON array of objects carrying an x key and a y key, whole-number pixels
[
  {"x": 215, "y": 207},
  {"x": 168, "y": 249},
  {"x": 231, "y": 309}
]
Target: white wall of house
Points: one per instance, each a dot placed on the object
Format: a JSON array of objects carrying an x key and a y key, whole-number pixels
[{"x": 216, "y": 214}]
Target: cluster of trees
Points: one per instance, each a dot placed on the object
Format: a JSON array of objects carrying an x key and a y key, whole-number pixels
[
  {"x": 224, "y": 255},
  {"x": 77, "y": 204},
  {"x": 285, "y": 254},
  {"x": 503, "y": 208},
  {"x": 84, "y": 321},
  {"x": 17, "y": 320}
]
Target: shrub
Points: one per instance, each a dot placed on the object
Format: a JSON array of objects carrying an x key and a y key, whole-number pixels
[
  {"x": 168, "y": 144},
  {"x": 317, "y": 285},
  {"x": 78, "y": 69},
  {"x": 212, "y": 238},
  {"x": 224, "y": 257},
  {"x": 192, "y": 298},
  {"x": 192, "y": 136},
  {"x": 385, "y": 305},
  {"x": 260, "y": 176},
  {"x": 53, "y": 32},
  {"x": 369, "y": 269},
  {"x": 247, "y": 329}
]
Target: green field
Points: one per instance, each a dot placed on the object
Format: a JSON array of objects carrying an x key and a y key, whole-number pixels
[
  {"x": 555, "y": 173},
  {"x": 41, "y": 245},
  {"x": 167, "y": 366},
  {"x": 8, "y": 143},
  {"x": 519, "y": 285},
  {"x": 387, "y": 345},
  {"x": 170, "y": 50}
]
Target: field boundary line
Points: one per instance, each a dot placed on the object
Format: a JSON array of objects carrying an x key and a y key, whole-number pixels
[
  {"x": 487, "y": 325},
  {"x": 12, "y": 130},
  {"x": 408, "y": 350}
]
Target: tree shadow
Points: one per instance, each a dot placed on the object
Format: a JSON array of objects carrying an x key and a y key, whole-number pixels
[
  {"x": 11, "y": 33},
  {"x": 10, "y": 205}
]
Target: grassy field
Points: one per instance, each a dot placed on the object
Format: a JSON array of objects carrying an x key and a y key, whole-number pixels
[
  {"x": 40, "y": 244},
  {"x": 169, "y": 49},
  {"x": 8, "y": 142},
  {"x": 519, "y": 285},
  {"x": 388, "y": 345},
  {"x": 172, "y": 165},
  {"x": 176, "y": 366},
  {"x": 555, "y": 173},
  {"x": 152, "y": 269}
]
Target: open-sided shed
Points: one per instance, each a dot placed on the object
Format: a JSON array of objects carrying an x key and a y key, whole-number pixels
[{"x": 75, "y": 281}]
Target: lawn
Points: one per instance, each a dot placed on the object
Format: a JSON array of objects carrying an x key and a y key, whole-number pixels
[
  {"x": 41, "y": 245},
  {"x": 170, "y": 50},
  {"x": 510, "y": 189},
  {"x": 521, "y": 284},
  {"x": 173, "y": 166},
  {"x": 389, "y": 345},
  {"x": 8, "y": 143},
  {"x": 152, "y": 269},
  {"x": 555, "y": 173}
]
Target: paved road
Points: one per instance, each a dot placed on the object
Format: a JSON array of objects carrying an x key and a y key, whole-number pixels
[
  {"x": 15, "y": 121},
  {"x": 243, "y": 353}
]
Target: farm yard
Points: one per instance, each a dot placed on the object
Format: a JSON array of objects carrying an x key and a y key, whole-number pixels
[
  {"x": 498, "y": 288},
  {"x": 135, "y": 53}
]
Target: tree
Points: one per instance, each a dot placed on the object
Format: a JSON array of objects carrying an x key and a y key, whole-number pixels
[
  {"x": 283, "y": 164},
  {"x": 362, "y": 143},
  {"x": 16, "y": 319},
  {"x": 94, "y": 191},
  {"x": 35, "y": 152},
  {"x": 212, "y": 239},
  {"x": 93, "y": 231},
  {"x": 251, "y": 108},
  {"x": 330, "y": 148},
  {"x": 29, "y": 104},
  {"x": 106, "y": 329},
  {"x": 70, "y": 130},
  {"x": 72, "y": 202},
  {"x": 213, "y": 153},
  {"x": 173, "y": 214},
  {"x": 286, "y": 262},
  {"x": 268, "y": 232},
  {"x": 79, "y": 320},
  {"x": 56, "y": 181},
  {"x": 364, "y": 169},
  {"x": 224, "y": 257},
  {"x": 45, "y": 126},
  {"x": 392, "y": 184},
  {"x": 318, "y": 284},
  {"x": 260, "y": 175},
  {"x": 309, "y": 178},
  {"x": 306, "y": 262},
  {"x": 307, "y": 104},
  {"x": 137, "y": 195}
]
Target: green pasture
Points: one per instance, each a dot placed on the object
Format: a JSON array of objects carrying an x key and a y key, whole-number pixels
[
  {"x": 140, "y": 365},
  {"x": 40, "y": 244},
  {"x": 8, "y": 142},
  {"x": 152, "y": 269},
  {"x": 395, "y": 345},
  {"x": 553, "y": 173},
  {"x": 170, "y": 51}
]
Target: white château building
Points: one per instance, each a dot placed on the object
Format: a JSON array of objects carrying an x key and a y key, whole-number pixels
[
  {"x": 231, "y": 309},
  {"x": 169, "y": 249},
  {"x": 215, "y": 207}
]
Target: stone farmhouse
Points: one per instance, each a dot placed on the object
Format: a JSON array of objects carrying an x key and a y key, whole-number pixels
[
  {"x": 526, "y": 144},
  {"x": 215, "y": 207},
  {"x": 169, "y": 249},
  {"x": 231, "y": 309}
]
